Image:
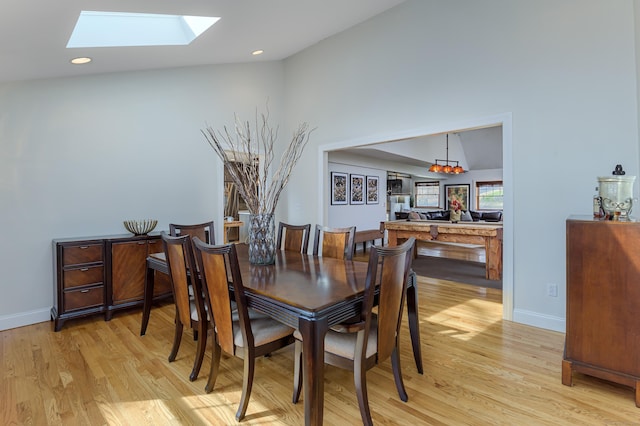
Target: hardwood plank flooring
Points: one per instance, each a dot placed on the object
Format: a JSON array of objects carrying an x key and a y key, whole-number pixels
[{"x": 479, "y": 370}]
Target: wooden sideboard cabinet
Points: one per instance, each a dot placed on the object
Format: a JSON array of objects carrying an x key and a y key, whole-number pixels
[
  {"x": 100, "y": 275},
  {"x": 603, "y": 301}
]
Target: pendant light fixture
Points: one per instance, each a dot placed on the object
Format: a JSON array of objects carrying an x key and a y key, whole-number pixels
[{"x": 446, "y": 167}]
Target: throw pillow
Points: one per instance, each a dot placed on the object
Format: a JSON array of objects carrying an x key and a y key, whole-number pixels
[
  {"x": 492, "y": 216},
  {"x": 466, "y": 217}
]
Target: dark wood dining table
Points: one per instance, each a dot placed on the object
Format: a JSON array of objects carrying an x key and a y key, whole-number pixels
[{"x": 306, "y": 292}]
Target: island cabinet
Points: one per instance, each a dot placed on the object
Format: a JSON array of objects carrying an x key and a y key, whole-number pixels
[
  {"x": 603, "y": 301},
  {"x": 100, "y": 275}
]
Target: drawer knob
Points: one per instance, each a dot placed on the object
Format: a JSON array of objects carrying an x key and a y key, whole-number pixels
[
  {"x": 84, "y": 269},
  {"x": 84, "y": 291}
]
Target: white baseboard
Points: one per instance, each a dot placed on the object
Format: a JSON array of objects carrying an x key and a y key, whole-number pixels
[
  {"x": 536, "y": 319},
  {"x": 24, "y": 318}
]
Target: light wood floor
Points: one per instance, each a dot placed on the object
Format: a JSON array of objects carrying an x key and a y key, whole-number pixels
[{"x": 479, "y": 370}]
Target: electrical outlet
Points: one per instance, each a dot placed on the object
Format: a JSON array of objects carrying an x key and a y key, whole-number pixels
[{"x": 552, "y": 290}]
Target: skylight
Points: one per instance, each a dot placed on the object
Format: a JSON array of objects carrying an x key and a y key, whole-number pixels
[{"x": 111, "y": 29}]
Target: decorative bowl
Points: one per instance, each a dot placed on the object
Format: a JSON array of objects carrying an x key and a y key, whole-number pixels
[{"x": 140, "y": 227}]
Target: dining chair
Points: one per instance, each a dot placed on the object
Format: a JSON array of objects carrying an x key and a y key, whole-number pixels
[
  {"x": 293, "y": 237},
  {"x": 336, "y": 242},
  {"x": 204, "y": 231},
  {"x": 237, "y": 334},
  {"x": 362, "y": 345},
  {"x": 190, "y": 307}
]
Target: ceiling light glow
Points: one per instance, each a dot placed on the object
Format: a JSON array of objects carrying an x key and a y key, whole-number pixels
[
  {"x": 257, "y": 52},
  {"x": 81, "y": 60},
  {"x": 115, "y": 29}
]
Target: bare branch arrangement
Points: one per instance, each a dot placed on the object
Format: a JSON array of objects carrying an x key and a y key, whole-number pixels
[{"x": 249, "y": 155}]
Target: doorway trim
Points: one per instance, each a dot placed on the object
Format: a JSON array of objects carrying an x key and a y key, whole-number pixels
[{"x": 504, "y": 120}]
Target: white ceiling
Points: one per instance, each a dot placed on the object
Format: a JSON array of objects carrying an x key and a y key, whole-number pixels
[
  {"x": 481, "y": 148},
  {"x": 33, "y": 34}
]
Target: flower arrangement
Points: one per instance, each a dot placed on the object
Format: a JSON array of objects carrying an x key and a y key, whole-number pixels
[
  {"x": 248, "y": 155},
  {"x": 455, "y": 205}
]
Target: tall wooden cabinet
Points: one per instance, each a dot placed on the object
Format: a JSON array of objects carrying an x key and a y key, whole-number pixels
[
  {"x": 100, "y": 275},
  {"x": 603, "y": 301}
]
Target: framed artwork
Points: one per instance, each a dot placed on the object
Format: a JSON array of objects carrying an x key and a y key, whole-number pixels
[
  {"x": 357, "y": 189},
  {"x": 372, "y": 190},
  {"x": 339, "y": 188},
  {"x": 457, "y": 193}
]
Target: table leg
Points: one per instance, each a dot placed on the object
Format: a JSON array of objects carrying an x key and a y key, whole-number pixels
[
  {"x": 414, "y": 322},
  {"x": 313, "y": 333},
  {"x": 148, "y": 298},
  {"x": 493, "y": 258},
  {"x": 392, "y": 237}
]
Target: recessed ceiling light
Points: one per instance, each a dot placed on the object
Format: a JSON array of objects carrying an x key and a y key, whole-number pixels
[
  {"x": 80, "y": 61},
  {"x": 110, "y": 29},
  {"x": 257, "y": 52}
]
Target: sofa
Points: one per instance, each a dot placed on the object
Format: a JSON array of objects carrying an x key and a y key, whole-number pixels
[{"x": 467, "y": 216}]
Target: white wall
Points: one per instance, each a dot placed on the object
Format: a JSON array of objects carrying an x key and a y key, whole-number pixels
[
  {"x": 80, "y": 155},
  {"x": 362, "y": 216},
  {"x": 564, "y": 70}
]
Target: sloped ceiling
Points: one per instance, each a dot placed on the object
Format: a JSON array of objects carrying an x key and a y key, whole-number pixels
[
  {"x": 477, "y": 149},
  {"x": 34, "y": 34}
]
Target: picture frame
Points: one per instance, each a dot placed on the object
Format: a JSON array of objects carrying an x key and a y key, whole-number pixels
[
  {"x": 458, "y": 192},
  {"x": 357, "y": 189},
  {"x": 373, "y": 190},
  {"x": 339, "y": 188}
]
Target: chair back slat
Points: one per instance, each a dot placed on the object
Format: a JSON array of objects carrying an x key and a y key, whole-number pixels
[
  {"x": 337, "y": 243},
  {"x": 217, "y": 287},
  {"x": 333, "y": 245},
  {"x": 293, "y": 240},
  {"x": 293, "y": 237},
  {"x": 180, "y": 261},
  {"x": 392, "y": 290}
]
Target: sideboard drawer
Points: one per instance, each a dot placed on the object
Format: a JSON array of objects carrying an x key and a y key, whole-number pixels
[
  {"x": 83, "y": 276},
  {"x": 83, "y": 298},
  {"x": 80, "y": 254}
]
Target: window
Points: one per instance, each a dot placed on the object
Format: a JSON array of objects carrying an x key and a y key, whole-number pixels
[
  {"x": 427, "y": 194},
  {"x": 489, "y": 195}
]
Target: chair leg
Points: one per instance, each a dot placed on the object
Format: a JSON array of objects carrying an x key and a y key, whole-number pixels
[
  {"x": 215, "y": 366},
  {"x": 397, "y": 374},
  {"x": 247, "y": 383},
  {"x": 177, "y": 338},
  {"x": 200, "y": 349},
  {"x": 360, "y": 379},
  {"x": 297, "y": 372}
]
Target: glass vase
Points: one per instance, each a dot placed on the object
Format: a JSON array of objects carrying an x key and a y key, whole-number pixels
[{"x": 262, "y": 245}]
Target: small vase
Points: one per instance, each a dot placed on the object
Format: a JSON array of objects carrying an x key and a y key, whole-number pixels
[{"x": 262, "y": 246}]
